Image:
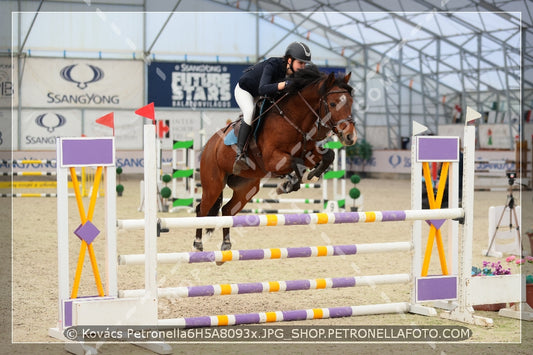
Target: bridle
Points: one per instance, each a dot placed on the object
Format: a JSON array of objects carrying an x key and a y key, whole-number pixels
[
  {"x": 322, "y": 123},
  {"x": 326, "y": 121}
]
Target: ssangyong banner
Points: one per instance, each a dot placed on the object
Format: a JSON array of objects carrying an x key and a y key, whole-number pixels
[
  {"x": 40, "y": 128},
  {"x": 82, "y": 83},
  {"x": 197, "y": 85}
]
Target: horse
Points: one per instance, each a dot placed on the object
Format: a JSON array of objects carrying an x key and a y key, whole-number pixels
[{"x": 313, "y": 105}]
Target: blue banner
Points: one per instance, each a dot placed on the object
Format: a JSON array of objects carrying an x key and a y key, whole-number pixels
[
  {"x": 193, "y": 85},
  {"x": 197, "y": 85}
]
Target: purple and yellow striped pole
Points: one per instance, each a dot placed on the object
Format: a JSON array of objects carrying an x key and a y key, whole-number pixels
[
  {"x": 266, "y": 254},
  {"x": 281, "y": 316},
  {"x": 271, "y": 286},
  {"x": 296, "y": 219}
]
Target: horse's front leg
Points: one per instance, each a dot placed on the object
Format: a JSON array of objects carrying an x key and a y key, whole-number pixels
[
  {"x": 294, "y": 179},
  {"x": 326, "y": 159}
]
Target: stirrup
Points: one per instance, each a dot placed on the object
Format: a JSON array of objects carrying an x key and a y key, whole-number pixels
[{"x": 240, "y": 164}]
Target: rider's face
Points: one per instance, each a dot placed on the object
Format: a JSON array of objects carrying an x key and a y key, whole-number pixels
[{"x": 296, "y": 64}]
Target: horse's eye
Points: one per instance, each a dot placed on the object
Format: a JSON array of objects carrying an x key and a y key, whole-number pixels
[{"x": 333, "y": 104}]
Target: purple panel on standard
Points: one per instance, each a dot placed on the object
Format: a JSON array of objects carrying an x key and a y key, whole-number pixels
[
  {"x": 433, "y": 149},
  {"x": 436, "y": 288},
  {"x": 247, "y": 318},
  {"x": 201, "y": 257},
  {"x": 343, "y": 282},
  {"x": 344, "y": 250},
  {"x": 346, "y": 217},
  {"x": 253, "y": 254},
  {"x": 87, "y": 232},
  {"x": 87, "y": 152},
  {"x": 298, "y": 252},
  {"x": 297, "y": 219},
  {"x": 67, "y": 321},
  {"x": 199, "y": 291},
  {"x": 388, "y": 216},
  {"x": 245, "y": 220},
  {"x": 295, "y": 315}
]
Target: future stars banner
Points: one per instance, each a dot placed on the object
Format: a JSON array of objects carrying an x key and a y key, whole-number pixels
[{"x": 196, "y": 85}]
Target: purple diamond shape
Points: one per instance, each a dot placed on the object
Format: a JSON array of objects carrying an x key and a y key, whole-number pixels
[
  {"x": 87, "y": 232},
  {"x": 436, "y": 222}
]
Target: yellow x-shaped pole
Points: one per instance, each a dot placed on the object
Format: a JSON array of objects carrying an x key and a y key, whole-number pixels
[
  {"x": 434, "y": 232},
  {"x": 84, "y": 245}
]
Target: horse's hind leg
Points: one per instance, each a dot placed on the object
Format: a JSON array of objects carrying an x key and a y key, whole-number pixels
[
  {"x": 242, "y": 193},
  {"x": 198, "y": 245}
]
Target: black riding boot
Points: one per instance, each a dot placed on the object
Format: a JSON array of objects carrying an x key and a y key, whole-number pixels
[{"x": 240, "y": 160}]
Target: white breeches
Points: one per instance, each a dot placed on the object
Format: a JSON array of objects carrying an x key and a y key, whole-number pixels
[{"x": 246, "y": 102}]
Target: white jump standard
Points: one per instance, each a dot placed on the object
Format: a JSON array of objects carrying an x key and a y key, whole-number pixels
[{"x": 455, "y": 286}]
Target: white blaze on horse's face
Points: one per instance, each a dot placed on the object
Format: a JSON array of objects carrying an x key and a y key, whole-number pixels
[{"x": 346, "y": 130}]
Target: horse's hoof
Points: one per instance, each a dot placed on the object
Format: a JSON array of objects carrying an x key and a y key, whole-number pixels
[
  {"x": 225, "y": 246},
  {"x": 198, "y": 246},
  {"x": 282, "y": 188}
]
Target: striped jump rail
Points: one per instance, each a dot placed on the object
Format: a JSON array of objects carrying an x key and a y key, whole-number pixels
[
  {"x": 286, "y": 200},
  {"x": 267, "y": 254},
  {"x": 274, "y": 185},
  {"x": 28, "y": 195},
  {"x": 296, "y": 219},
  {"x": 271, "y": 286},
  {"x": 29, "y": 161},
  {"x": 277, "y": 211},
  {"x": 280, "y": 316},
  {"x": 277, "y": 200},
  {"x": 29, "y": 173}
]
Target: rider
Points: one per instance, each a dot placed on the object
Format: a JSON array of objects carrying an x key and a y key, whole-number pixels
[{"x": 264, "y": 78}]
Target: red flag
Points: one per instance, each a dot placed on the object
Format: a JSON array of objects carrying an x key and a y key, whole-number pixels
[
  {"x": 147, "y": 111},
  {"x": 107, "y": 120},
  {"x": 162, "y": 128}
]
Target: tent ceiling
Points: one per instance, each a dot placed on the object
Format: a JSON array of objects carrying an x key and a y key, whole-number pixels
[{"x": 432, "y": 47}]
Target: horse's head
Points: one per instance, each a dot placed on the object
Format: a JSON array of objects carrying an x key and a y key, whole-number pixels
[{"x": 336, "y": 108}]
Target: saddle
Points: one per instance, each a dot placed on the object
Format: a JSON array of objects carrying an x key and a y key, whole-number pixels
[{"x": 232, "y": 131}]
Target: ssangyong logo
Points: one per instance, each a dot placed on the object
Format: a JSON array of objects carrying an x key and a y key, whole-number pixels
[
  {"x": 50, "y": 121},
  {"x": 81, "y": 77}
]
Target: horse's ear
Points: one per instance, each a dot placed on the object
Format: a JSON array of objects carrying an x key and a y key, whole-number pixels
[
  {"x": 347, "y": 77},
  {"x": 329, "y": 81}
]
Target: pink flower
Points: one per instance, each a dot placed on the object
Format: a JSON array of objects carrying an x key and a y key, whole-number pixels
[
  {"x": 510, "y": 258},
  {"x": 529, "y": 259},
  {"x": 520, "y": 261}
]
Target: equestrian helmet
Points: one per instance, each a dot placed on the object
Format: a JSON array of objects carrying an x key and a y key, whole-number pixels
[{"x": 299, "y": 51}]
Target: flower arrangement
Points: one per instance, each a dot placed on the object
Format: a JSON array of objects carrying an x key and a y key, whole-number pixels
[{"x": 496, "y": 268}]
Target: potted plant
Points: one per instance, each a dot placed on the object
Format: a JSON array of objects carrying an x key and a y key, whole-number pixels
[
  {"x": 490, "y": 269},
  {"x": 355, "y": 193},
  {"x": 496, "y": 268},
  {"x": 120, "y": 187},
  {"x": 360, "y": 152}
]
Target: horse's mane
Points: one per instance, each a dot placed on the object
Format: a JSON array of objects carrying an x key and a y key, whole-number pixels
[{"x": 312, "y": 75}]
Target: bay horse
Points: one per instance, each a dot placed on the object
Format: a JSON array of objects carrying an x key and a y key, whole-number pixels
[{"x": 314, "y": 105}]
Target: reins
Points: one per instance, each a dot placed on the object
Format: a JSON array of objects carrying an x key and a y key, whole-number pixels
[{"x": 324, "y": 122}]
